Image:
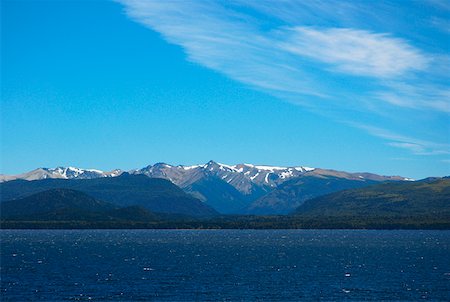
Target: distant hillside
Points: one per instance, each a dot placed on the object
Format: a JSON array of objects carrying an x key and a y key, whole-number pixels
[
  {"x": 430, "y": 197},
  {"x": 292, "y": 193},
  {"x": 69, "y": 205},
  {"x": 53, "y": 200},
  {"x": 156, "y": 195}
]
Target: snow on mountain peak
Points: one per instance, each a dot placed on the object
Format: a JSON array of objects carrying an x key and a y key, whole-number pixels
[
  {"x": 225, "y": 167},
  {"x": 238, "y": 175},
  {"x": 276, "y": 168},
  {"x": 190, "y": 167},
  {"x": 270, "y": 168}
]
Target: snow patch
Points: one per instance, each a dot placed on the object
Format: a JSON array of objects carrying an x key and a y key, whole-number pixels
[
  {"x": 190, "y": 167},
  {"x": 231, "y": 168},
  {"x": 308, "y": 169},
  {"x": 254, "y": 176},
  {"x": 270, "y": 168},
  {"x": 266, "y": 179},
  {"x": 287, "y": 174}
]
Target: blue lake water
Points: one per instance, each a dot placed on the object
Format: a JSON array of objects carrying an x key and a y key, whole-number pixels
[{"x": 224, "y": 265}]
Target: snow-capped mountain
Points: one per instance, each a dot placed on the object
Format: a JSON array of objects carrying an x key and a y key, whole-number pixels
[
  {"x": 241, "y": 188},
  {"x": 61, "y": 173},
  {"x": 243, "y": 177}
]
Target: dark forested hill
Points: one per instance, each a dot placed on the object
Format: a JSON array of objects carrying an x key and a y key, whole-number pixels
[
  {"x": 53, "y": 200},
  {"x": 69, "y": 205},
  {"x": 429, "y": 197},
  {"x": 154, "y": 194}
]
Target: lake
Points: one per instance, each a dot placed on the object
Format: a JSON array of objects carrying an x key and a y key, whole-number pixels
[{"x": 224, "y": 265}]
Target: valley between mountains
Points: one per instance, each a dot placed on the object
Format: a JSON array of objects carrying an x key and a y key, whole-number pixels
[{"x": 248, "y": 195}]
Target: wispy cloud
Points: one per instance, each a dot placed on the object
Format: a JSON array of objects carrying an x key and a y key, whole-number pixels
[
  {"x": 441, "y": 24},
  {"x": 441, "y": 4},
  {"x": 416, "y": 146},
  {"x": 318, "y": 54},
  {"x": 223, "y": 40},
  {"x": 417, "y": 96},
  {"x": 356, "y": 51},
  {"x": 401, "y": 158}
]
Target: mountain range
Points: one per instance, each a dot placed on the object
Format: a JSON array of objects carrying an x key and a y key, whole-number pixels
[
  {"x": 230, "y": 189},
  {"x": 423, "y": 204}
]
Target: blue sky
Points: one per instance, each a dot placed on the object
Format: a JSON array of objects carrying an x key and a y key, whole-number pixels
[{"x": 354, "y": 86}]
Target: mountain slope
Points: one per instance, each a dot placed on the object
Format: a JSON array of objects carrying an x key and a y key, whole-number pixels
[
  {"x": 53, "y": 200},
  {"x": 218, "y": 194},
  {"x": 292, "y": 193},
  {"x": 69, "y": 205},
  {"x": 422, "y": 198},
  {"x": 156, "y": 195}
]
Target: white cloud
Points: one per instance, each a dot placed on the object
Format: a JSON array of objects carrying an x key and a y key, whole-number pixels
[
  {"x": 416, "y": 146},
  {"x": 232, "y": 43},
  {"x": 356, "y": 51},
  {"x": 419, "y": 96},
  {"x": 225, "y": 41},
  {"x": 308, "y": 65}
]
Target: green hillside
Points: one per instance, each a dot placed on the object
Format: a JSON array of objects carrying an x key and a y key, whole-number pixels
[
  {"x": 154, "y": 194},
  {"x": 293, "y": 193},
  {"x": 426, "y": 198}
]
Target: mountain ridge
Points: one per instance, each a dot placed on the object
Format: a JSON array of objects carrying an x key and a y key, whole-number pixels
[
  {"x": 257, "y": 173},
  {"x": 230, "y": 189}
]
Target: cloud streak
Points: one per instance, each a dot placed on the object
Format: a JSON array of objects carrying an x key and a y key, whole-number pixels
[
  {"x": 414, "y": 145},
  {"x": 224, "y": 41},
  {"x": 416, "y": 97},
  {"x": 325, "y": 67},
  {"x": 356, "y": 51}
]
